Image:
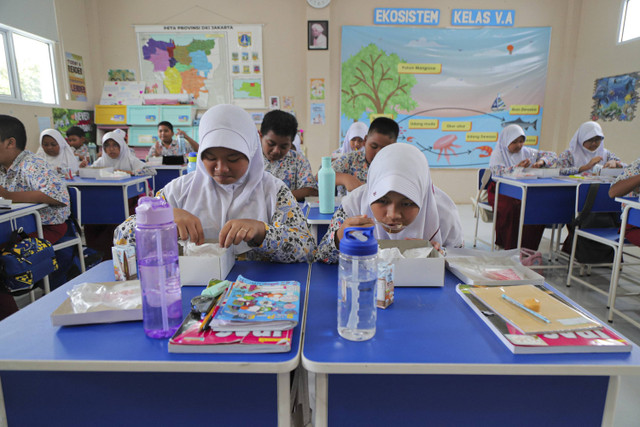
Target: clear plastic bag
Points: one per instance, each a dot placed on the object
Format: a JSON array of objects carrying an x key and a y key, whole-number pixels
[{"x": 87, "y": 297}]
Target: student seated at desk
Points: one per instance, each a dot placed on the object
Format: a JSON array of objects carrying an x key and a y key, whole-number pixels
[
  {"x": 231, "y": 198},
  {"x": 351, "y": 169},
  {"x": 353, "y": 140},
  {"x": 586, "y": 150},
  {"x": 398, "y": 200},
  {"x": 55, "y": 151},
  {"x": 78, "y": 143},
  {"x": 277, "y": 132},
  {"x": 166, "y": 145},
  {"x": 627, "y": 184},
  {"x": 509, "y": 154},
  {"x": 117, "y": 155}
]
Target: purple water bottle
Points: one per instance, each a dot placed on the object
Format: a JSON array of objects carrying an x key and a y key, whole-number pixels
[{"x": 157, "y": 254}]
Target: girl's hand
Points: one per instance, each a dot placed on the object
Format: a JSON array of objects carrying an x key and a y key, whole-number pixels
[
  {"x": 237, "y": 231},
  {"x": 524, "y": 164},
  {"x": 189, "y": 226},
  {"x": 538, "y": 164},
  {"x": 354, "y": 221},
  {"x": 437, "y": 247},
  {"x": 84, "y": 163},
  {"x": 613, "y": 164}
]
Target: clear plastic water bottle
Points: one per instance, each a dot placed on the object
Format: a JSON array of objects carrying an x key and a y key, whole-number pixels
[
  {"x": 157, "y": 254},
  {"x": 182, "y": 145},
  {"x": 326, "y": 186},
  {"x": 357, "y": 277},
  {"x": 191, "y": 162}
]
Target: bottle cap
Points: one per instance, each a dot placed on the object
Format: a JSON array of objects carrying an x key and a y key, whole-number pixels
[
  {"x": 153, "y": 210},
  {"x": 326, "y": 162},
  {"x": 358, "y": 241},
  {"x": 193, "y": 156}
]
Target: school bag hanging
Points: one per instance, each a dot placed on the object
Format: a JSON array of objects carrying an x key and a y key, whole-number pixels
[{"x": 24, "y": 261}]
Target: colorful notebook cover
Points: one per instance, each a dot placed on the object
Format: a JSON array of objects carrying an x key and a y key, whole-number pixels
[
  {"x": 592, "y": 341},
  {"x": 189, "y": 339},
  {"x": 250, "y": 305}
]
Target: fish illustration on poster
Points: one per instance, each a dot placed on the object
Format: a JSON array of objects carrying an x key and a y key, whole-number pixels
[{"x": 454, "y": 106}]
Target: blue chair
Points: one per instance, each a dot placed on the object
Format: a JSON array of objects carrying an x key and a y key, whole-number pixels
[
  {"x": 75, "y": 237},
  {"x": 607, "y": 236}
]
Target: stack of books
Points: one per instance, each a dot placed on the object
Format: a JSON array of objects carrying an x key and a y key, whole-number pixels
[{"x": 250, "y": 317}]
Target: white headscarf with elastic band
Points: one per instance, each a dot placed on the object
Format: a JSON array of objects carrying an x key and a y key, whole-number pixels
[
  {"x": 357, "y": 129},
  {"x": 501, "y": 155},
  {"x": 126, "y": 160},
  {"x": 582, "y": 156},
  {"x": 65, "y": 158},
  {"x": 253, "y": 196},
  {"x": 404, "y": 169}
]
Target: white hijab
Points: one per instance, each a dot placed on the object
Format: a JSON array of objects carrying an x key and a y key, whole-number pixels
[
  {"x": 404, "y": 169},
  {"x": 253, "y": 196},
  {"x": 582, "y": 156},
  {"x": 297, "y": 143},
  {"x": 65, "y": 158},
  {"x": 356, "y": 129},
  {"x": 450, "y": 225},
  {"x": 501, "y": 155},
  {"x": 125, "y": 161}
]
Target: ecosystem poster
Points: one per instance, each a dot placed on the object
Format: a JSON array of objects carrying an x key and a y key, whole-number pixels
[
  {"x": 616, "y": 97},
  {"x": 451, "y": 90}
]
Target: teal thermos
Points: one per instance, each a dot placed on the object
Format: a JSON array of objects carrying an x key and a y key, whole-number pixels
[{"x": 326, "y": 186}]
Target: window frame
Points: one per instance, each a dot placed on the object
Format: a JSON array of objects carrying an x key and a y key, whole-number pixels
[
  {"x": 622, "y": 22},
  {"x": 12, "y": 68}
]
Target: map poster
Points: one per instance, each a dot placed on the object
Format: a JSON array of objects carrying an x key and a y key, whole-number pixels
[
  {"x": 452, "y": 91},
  {"x": 213, "y": 64},
  {"x": 75, "y": 71}
]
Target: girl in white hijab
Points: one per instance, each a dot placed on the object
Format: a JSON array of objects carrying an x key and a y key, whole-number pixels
[
  {"x": 116, "y": 154},
  {"x": 231, "y": 199},
  {"x": 398, "y": 200},
  {"x": 353, "y": 140},
  {"x": 509, "y": 154},
  {"x": 57, "y": 152},
  {"x": 586, "y": 150}
]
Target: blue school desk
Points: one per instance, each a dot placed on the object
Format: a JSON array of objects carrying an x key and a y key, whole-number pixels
[
  {"x": 23, "y": 215},
  {"x": 165, "y": 174},
  {"x": 112, "y": 374},
  {"x": 318, "y": 223},
  {"x": 434, "y": 362},
  {"x": 107, "y": 201}
]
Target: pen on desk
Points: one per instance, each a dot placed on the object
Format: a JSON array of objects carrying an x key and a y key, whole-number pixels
[
  {"x": 207, "y": 319},
  {"x": 528, "y": 310}
]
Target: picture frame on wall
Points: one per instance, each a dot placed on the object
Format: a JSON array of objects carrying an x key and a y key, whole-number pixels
[{"x": 318, "y": 35}]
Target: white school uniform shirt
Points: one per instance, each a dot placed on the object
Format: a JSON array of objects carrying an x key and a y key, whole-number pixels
[
  {"x": 582, "y": 156},
  {"x": 501, "y": 155},
  {"x": 404, "y": 169},
  {"x": 254, "y": 196},
  {"x": 65, "y": 159},
  {"x": 125, "y": 161}
]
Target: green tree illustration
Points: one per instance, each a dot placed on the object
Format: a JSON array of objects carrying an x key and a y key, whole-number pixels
[{"x": 371, "y": 82}]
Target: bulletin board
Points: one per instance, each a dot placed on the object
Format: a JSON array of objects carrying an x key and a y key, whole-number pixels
[
  {"x": 452, "y": 91},
  {"x": 214, "y": 64}
]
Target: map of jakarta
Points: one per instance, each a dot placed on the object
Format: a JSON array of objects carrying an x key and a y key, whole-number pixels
[{"x": 214, "y": 64}]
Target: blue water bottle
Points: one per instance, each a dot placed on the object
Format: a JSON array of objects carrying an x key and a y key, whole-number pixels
[
  {"x": 191, "y": 162},
  {"x": 157, "y": 255},
  {"x": 357, "y": 277},
  {"x": 326, "y": 186}
]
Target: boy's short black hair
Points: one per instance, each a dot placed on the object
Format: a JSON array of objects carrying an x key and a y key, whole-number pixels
[
  {"x": 10, "y": 127},
  {"x": 281, "y": 123},
  {"x": 76, "y": 131},
  {"x": 384, "y": 126},
  {"x": 167, "y": 124}
]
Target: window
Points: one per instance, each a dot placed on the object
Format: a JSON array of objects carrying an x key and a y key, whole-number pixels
[
  {"x": 630, "y": 21},
  {"x": 27, "y": 70}
]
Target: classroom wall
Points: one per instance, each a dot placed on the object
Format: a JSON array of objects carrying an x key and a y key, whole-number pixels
[
  {"x": 599, "y": 55},
  {"x": 582, "y": 49}
]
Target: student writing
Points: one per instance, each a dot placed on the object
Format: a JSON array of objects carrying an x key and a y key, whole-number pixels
[
  {"x": 55, "y": 150},
  {"x": 231, "y": 198},
  {"x": 586, "y": 150},
  {"x": 277, "y": 132},
  {"x": 509, "y": 154},
  {"x": 398, "y": 200}
]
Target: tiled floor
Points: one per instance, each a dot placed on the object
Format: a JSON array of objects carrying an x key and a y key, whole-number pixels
[{"x": 627, "y": 410}]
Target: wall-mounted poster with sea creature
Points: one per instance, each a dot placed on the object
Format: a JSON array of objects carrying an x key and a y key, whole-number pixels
[{"x": 616, "y": 98}]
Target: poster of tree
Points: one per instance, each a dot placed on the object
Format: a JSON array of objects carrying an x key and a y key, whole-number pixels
[{"x": 450, "y": 90}]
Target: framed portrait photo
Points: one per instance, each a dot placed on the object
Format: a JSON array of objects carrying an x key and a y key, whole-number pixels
[{"x": 318, "y": 35}]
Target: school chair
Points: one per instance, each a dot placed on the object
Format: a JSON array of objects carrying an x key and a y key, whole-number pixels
[
  {"x": 75, "y": 223},
  {"x": 482, "y": 208},
  {"x": 610, "y": 236}
]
